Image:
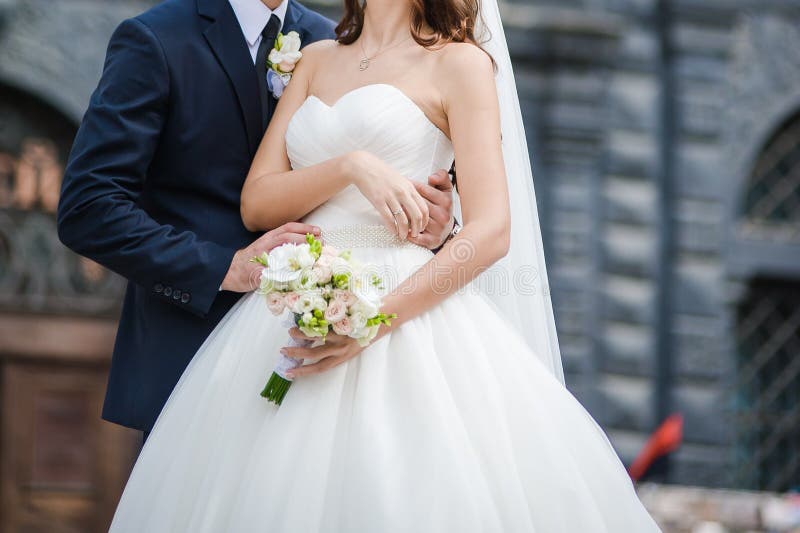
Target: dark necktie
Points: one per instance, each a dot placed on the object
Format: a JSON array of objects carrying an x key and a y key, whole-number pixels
[{"x": 268, "y": 36}]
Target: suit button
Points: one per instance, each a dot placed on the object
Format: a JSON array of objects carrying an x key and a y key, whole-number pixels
[
  {"x": 167, "y": 291},
  {"x": 176, "y": 295},
  {"x": 186, "y": 298},
  {"x": 159, "y": 288}
]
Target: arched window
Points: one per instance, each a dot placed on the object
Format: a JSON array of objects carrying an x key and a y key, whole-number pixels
[
  {"x": 772, "y": 198},
  {"x": 37, "y": 273},
  {"x": 767, "y": 394}
]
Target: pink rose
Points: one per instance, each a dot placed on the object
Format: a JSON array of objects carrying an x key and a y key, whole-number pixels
[
  {"x": 336, "y": 311},
  {"x": 322, "y": 270},
  {"x": 330, "y": 251},
  {"x": 344, "y": 296},
  {"x": 275, "y": 303},
  {"x": 343, "y": 327},
  {"x": 290, "y": 300}
]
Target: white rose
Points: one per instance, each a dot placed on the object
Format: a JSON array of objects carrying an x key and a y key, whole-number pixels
[
  {"x": 302, "y": 257},
  {"x": 286, "y": 263},
  {"x": 358, "y": 321},
  {"x": 367, "y": 335},
  {"x": 290, "y": 255},
  {"x": 308, "y": 302},
  {"x": 306, "y": 281},
  {"x": 340, "y": 266},
  {"x": 287, "y": 51},
  {"x": 369, "y": 301},
  {"x": 268, "y": 285},
  {"x": 278, "y": 257},
  {"x": 290, "y": 43}
]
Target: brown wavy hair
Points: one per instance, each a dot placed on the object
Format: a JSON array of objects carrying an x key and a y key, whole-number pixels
[{"x": 451, "y": 21}]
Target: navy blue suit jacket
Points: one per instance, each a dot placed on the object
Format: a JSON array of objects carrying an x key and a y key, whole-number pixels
[{"x": 152, "y": 186}]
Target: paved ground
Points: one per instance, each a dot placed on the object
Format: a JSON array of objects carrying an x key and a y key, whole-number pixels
[{"x": 681, "y": 509}]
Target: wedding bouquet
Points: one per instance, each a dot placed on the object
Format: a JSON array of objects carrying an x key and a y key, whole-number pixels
[{"x": 324, "y": 290}]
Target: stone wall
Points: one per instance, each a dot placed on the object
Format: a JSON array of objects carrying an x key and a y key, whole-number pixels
[
  {"x": 55, "y": 49},
  {"x": 646, "y": 117}
]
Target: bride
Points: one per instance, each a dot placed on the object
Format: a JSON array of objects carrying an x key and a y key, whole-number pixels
[{"x": 455, "y": 419}]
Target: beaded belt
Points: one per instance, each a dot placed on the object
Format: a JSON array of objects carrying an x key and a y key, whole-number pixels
[{"x": 361, "y": 236}]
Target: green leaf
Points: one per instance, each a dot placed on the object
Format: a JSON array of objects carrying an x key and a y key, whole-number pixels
[
  {"x": 315, "y": 245},
  {"x": 341, "y": 280},
  {"x": 262, "y": 260}
]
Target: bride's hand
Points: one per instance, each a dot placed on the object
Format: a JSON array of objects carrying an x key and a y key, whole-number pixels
[
  {"x": 336, "y": 350},
  {"x": 394, "y": 196}
]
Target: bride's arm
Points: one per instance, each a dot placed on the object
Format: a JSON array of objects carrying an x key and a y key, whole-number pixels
[
  {"x": 470, "y": 101},
  {"x": 273, "y": 193}
]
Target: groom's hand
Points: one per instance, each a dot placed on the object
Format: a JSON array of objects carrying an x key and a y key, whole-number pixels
[
  {"x": 438, "y": 193},
  {"x": 244, "y": 275}
]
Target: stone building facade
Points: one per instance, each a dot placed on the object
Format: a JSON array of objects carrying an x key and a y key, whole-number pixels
[
  {"x": 665, "y": 138},
  {"x": 666, "y": 143}
]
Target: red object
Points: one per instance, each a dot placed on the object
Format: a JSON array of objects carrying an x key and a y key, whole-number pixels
[{"x": 665, "y": 439}]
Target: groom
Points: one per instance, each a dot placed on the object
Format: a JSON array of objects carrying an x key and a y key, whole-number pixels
[{"x": 152, "y": 186}]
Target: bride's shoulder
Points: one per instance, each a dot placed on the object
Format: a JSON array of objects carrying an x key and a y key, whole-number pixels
[
  {"x": 315, "y": 55},
  {"x": 464, "y": 60},
  {"x": 460, "y": 63},
  {"x": 319, "y": 49}
]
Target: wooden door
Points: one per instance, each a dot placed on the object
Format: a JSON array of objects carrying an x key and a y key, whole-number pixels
[{"x": 62, "y": 467}]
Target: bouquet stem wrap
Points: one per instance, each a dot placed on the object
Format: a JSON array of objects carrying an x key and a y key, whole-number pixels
[{"x": 278, "y": 384}]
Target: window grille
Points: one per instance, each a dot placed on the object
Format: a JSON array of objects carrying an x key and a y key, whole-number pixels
[
  {"x": 767, "y": 399},
  {"x": 772, "y": 198}
]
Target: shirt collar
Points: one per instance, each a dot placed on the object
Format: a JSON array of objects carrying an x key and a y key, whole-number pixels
[{"x": 253, "y": 16}]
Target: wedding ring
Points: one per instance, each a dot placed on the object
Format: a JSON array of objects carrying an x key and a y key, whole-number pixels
[{"x": 395, "y": 213}]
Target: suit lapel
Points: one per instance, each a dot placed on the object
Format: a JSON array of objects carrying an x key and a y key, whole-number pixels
[
  {"x": 224, "y": 36},
  {"x": 291, "y": 21}
]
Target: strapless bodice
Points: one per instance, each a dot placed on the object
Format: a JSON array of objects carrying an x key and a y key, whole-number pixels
[{"x": 377, "y": 118}]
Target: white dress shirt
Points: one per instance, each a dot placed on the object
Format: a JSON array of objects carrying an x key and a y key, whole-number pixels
[{"x": 253, "y": 16}]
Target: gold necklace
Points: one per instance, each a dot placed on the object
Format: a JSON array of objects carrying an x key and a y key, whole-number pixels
[{"x": 364, "y": 63}]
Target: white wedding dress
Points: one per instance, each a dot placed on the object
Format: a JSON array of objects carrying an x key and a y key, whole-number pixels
[{"x": 449, "y": 424}]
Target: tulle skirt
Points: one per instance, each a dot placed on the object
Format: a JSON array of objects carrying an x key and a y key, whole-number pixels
[{"x": 449, "y": 424}]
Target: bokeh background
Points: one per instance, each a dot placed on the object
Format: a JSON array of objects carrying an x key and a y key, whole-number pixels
[{"x": 665, "y": 138}]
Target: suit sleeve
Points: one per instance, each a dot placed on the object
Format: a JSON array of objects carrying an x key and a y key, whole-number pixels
[{"x": 99, "y": 215}]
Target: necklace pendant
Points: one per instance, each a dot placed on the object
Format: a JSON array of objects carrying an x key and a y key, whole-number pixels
[{"x": 364, "y": 64}]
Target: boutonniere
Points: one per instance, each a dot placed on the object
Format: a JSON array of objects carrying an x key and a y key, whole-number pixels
[{"x": 281, "y": 62}]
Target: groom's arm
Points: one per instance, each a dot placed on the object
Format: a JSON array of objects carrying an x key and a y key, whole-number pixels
[{"x": 98, "y": 214}]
